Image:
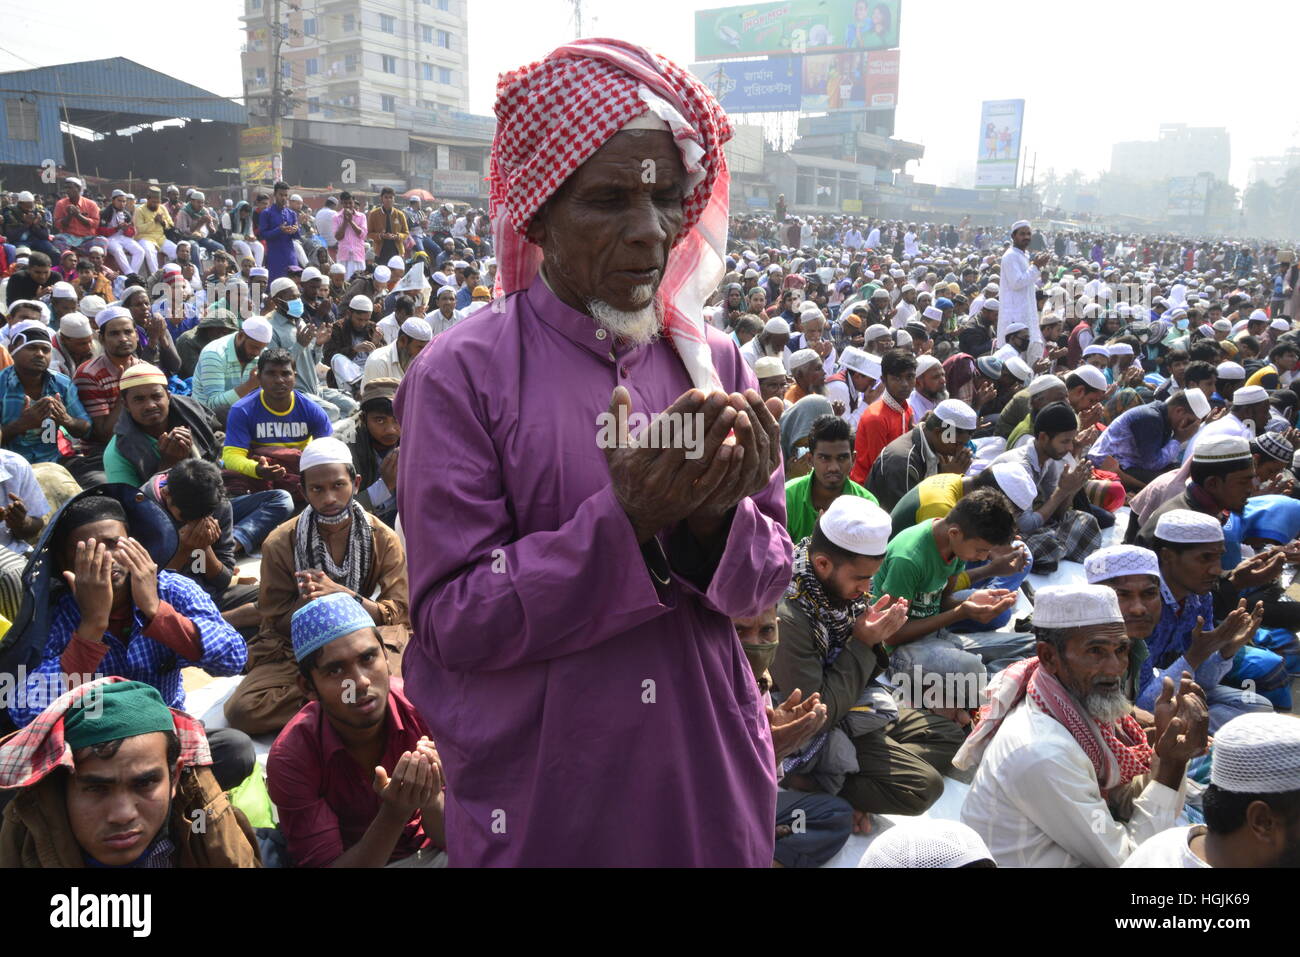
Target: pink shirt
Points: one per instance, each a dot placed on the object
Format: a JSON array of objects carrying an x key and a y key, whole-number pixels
[{"x": 352, "y": 247}]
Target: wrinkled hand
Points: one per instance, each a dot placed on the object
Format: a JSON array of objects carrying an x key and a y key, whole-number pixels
[
  {"x": 133, "y": 556},
  {"x": 987, "y": 603},
  {"x": 879, "y": 622},
  {"x": 1186, "y": 735},
  {"x": 758, "y": 444},
  {"x": 794, "y": 721}
]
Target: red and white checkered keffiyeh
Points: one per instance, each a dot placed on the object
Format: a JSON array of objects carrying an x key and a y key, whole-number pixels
[
  {"x": 1118, "y": 752},
  {"x": 28, "y": 755},
  {"x": 552, "y": 116}
]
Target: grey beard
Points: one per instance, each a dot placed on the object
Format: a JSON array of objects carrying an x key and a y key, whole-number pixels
[
  {"x": 1108, "y": 707},
  {"x": 638, "y": 327}
]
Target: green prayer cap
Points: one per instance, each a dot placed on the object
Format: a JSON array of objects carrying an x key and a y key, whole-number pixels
[{"x": 119, "y": 709}]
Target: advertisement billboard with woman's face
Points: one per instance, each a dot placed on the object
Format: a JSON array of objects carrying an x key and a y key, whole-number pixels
[
  {"x": 999, "y": 154},
  {"x": 796, "y": 26}
]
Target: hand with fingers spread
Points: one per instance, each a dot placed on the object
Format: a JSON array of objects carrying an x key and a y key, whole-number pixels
[
  {"x": 133, "y": 556},
  {"x": 1259, "y": 569},
  {"x": 879, "y": 622},
  {"x": 794, "y": 721},
  {"x": 1185, "y": 734},
  {"x": 91, "y": 582},
  {"x": 266, "y": 469}
]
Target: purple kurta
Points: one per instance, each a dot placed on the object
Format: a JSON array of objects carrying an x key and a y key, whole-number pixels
[{"x": 538, "y": 625}]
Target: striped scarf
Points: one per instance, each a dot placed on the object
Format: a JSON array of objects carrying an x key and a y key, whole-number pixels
[{"x": 310, "y": 552}]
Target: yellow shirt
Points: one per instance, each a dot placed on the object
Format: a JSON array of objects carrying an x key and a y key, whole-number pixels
[
  {"x": 146, "y": 228},
  {"x": 939, "y": 495}
]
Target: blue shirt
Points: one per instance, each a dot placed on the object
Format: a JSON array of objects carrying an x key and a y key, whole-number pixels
[
  {"x": 1140, "y": 437},
  {"x": 464, "y": 297},
  {"x": 30, "y": 445},
  {"x": 139, "y": 658},
  {"x": 1170, "y": 640},
  {"x": 251, "y": 423}
]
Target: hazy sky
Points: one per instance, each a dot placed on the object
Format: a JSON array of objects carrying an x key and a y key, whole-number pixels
[{"x": 1091, "y": 74}]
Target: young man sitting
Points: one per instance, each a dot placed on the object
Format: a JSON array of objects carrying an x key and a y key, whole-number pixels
[
  {"x": 354, "y": 775},
  {"x": 830, "y": 446},
  {"x": 375, "y": 449},
  {"x": 333, "y": 546},
  {"x": 109, "y": 776}
]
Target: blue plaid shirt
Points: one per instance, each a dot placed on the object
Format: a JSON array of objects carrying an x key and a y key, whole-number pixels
[
  {"x": 139, "y": 658},
  {"x": 1168, "y": 642},
  {"x": 29, "y": 444}
]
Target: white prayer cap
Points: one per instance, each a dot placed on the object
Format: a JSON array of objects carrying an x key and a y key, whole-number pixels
[
  {"x": 1014, "y": 328},
  {"x": 1196, "y": 401},
  {"x": 908, "y": 287},
  {"x": 933, "y": 312},
  {"x": 992, "y": 304},
  {"x": 1015, "y": 482},
  {"x": 769, "y": 367},
  {"x": 283, "y": 284},
  {"x": 446, "y": 290},
  {"x": 1020, "y": 222},
  {"x": 1222, "y": 325},
  {"x": 295, "y": 198},
  {"x": 63, "y": 290},
  {"x": 957, "y": 413},
  {"x": 171, "y": 269},
  {"x": 776, "y": 326},
  {"x": 925, "y": 363},
  {"x": 1119, "y": 349},
  {"x": 338, "y": 268},
  {"x": 1075, "y": 606},
  {"x": 1230, "y": 370},
  {"x": 73, "y": 181},
  {"x": 1018, "y": 368},
  {"x": 1281, "y": 325},
  {"x": 417, "y": 328},
  {"x": 310, "y": 273},
  {"x": 74, "y": 325},
  {"x": 1295, "y": 460},
  {"x": 259, "y": 272},
  {"x": 856, "y": 525},
  {"x": 26, "y": 197},
  {"x": 1257, "y": 753},
  {"x": 803, "y": 358},
  {"x": 808, "y": 306},
  {"x": 1043, "y": 383},
  {"x": 1091, "y": 311},
  {"x": 397, "y": 262},
  {"x": 90, "y": 306},
  {"x": 361, "y": 303},
  {"x": 926, "y": 842},
  {"x": 991, "y": 289},
  {"x": 1116, "y": 561},
  {"x": 458, "y": 264},
  {"x": 1096, "y": 379},
  {"x": 875, "y": 332},
  {"x": 109, "y": 313},
  {"x": 897, "y": 273},
  {"x": 1249, "y": 395},
  {"x": 324, "y": 451},
  {"x": 1275, "y": 446},
  {"x": 860, "y": 361},
  {"x": 1124, "y": 311},
  {"x": 1221, "y": 448},
  {"x": 1184, "y": 526},
  {"x": 902, "y": 338},
  {"x": 1259, "y": 315},
  {"x": 1096, "y": 351},
  {"x": 257, "y": 328},
  {"x": 195, "y": 194},
  {"x": 880, "y": 293}
]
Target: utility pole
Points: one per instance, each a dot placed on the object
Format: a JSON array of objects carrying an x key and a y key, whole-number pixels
[{"x": 278, "y": 33}]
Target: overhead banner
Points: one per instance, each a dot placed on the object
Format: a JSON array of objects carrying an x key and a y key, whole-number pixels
[
  {"x": 796, "y": 26},
  {"x": 999, "y": 152},
  {"x": 753, "y": 86}
]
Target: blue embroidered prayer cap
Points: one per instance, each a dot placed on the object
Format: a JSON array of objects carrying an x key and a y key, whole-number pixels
[{"x": 323, "y": 619}]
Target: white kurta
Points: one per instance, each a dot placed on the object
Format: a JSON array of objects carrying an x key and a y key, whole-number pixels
[
  {"x": 1016, "y": 288},
  {"x": 839, "y": 392},
  {"x": 1168, "y": 849},
  {"x": 910, "y": 248},
  {"x": 382, "y": 363},
  {"x": 1036, "y": 803}
]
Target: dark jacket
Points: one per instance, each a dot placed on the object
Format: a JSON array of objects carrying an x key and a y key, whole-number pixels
[
  {"x": 366, "y": 461},
  {"x": 900, "y": 466},
  {"x": 342, "y": 338},
  {"x": 136, "y": 446}
]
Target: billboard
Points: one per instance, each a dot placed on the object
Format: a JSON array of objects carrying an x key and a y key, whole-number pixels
[
  {"x": 999, "y": 151},
  {"x": 882, "y": 80},
  {"x": 833, "y": 81},
  {"x": 753, "y": 86},
  {"x": 796, "y": 26}
]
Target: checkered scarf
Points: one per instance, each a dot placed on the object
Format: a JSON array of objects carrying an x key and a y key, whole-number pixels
[
  {"x": 28, "y": 755},
  {"x": 1119, "y": 752},
  {"x": 555, "y": 114}
]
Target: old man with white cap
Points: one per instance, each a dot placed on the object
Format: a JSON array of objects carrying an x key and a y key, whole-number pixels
[
  {"x": 1018, "y": 287},
  {"x": 391, "y": 361},
  {"x": 772, "y": 341},
  {"x": 1133, "y": 574},
  {"x": 930, "y": 389},
  {"x": 1057, "y": 746},
  {"x": 809, "y": 376},
  {"x": 772, "y": 380},
  {"x": 856, "y": 385},
  {"x": 1251, "y": 807},
  {"x": 560, "y": 570}
]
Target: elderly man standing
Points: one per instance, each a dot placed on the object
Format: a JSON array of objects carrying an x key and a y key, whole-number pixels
[
  {"x": 572, "y": 592},
  {"x": 1018, "y": 287},
  {"x": 1058, "y": 749}
]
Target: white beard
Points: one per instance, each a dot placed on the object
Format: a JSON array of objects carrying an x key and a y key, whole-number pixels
[
  {"x": 637, "y": 328},
  {"x": 1108, "y": 707}
]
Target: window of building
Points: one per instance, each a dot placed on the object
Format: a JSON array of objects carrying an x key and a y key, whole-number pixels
[
  {"x": 349, "y": 22},
  {"x": 22, "y": 120},
  {"x": 255, "y": 4},
  {"x": 444, "y": 39},
  {"x": 313, "y": 66},
  {"x": 260, "y": 79},
  {"x": 350, "y": 63},
  {"x": 309, "y": 27},
  {"x": 444, "y": 4},
  {"x": 389, "y": 63},
  {"x": 388, "y": 103},
  {"x": 444, "y": 75},
  {"x": 426, "y": 32},
  {"x": 286, "y": 70},
  {"x": 313, "y": 104},
  {"x": 426, "y": 71},
  {"x": 387, "y": 24}
]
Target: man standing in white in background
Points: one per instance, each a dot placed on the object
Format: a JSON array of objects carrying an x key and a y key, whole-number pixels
[{"x": 1017, "y": 288}]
